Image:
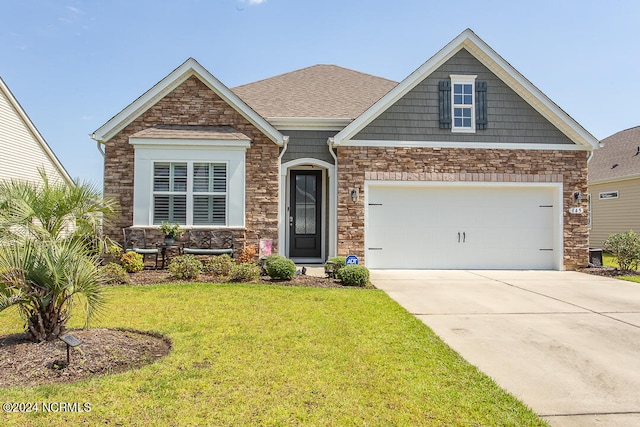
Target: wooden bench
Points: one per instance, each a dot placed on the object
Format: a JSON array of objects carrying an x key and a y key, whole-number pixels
[{"x": 208, "y": 242}]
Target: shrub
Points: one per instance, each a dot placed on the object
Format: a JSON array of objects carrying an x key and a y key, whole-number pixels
[
  {"x": 279, "y": 267},
  {"x": 248, "y": 255},
  {"x": 115, "y": 274},
  {"x": 132, "y": 262},
  {"x": 334, "y": 264},
  {"x": 244, "y": 272},
  {"x": 185, "y": 267},
  {"x": 625, "y": 247},
  {"x": 219, "y": 265},
  {"x": 354, "y": 275}
]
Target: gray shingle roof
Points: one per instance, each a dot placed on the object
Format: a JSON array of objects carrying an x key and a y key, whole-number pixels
[
  {"x": 621, "y": 149},
  {"x": 319, "y": 91}
]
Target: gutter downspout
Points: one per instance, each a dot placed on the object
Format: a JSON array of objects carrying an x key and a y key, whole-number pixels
[
  {"x": 282, "y": 231},
  {"x": 333, "y": 229},
  {"x": 93, "y": 136}
]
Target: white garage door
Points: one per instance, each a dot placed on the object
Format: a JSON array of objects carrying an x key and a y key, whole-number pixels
[{"x": 453, "y": 226}]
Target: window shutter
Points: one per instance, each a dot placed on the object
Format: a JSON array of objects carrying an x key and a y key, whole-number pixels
[
  {"x": 481, "y": 105},
  {"x": 445, "y": 104}
]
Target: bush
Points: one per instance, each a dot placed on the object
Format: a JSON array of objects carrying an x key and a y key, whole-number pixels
[
  {"x": 219, "y": 265},
  {"x": 334, "y": 264},
  {"x": 185, "y": 267},
  {"x": 354, "y": 275},
  {"x": 279, "y": 267},
  {"x": 115, "y": 274},
  {"x": 625, "y": 247},
  {"x": 132, "y": 262},
  {"x": 248, "y": 255},
  {"x": 244, "y": 272}
]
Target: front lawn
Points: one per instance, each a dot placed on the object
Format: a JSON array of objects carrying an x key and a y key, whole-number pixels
[
  {"x": 609, "y": 260},
  {"x": 275, "y": 356}
]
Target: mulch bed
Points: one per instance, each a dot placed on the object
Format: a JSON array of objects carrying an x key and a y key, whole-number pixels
[
  {"x": 103, "y": 351},
  {"x": 150, "y": 276},
  {"x": 609, "y": 271}
]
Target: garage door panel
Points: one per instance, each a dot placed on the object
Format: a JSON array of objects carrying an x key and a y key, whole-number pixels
[{"x": 461, "y": 227}]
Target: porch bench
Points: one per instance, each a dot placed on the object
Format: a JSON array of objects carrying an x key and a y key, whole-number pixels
[{"x": 208, "y": 242}]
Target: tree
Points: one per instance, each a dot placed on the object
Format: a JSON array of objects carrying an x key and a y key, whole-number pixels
[{"x": 45, "y": 280}]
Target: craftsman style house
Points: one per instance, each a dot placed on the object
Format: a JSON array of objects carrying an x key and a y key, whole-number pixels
[{"x": 463, "y": 164}]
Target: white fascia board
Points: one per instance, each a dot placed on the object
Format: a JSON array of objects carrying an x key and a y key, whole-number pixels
[
  {"x": 501, "y": 68},
  {"x": 178, "y": 76},
  {"x": 36, "y": 133},
  {"x": 176, "y": 143},
  {"x": 309, "y": 123},
  {"x": 453, "y": 144}
]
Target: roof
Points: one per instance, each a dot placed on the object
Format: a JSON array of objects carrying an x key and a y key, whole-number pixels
[
  {"x": 496, "y": 64},
  {"x": 619, "y": 157},
  {"x": 225, "y": 133},
  {"x": 319, "y": 91},
  {"x": 34, "y": 131},
  {"x": 189, "y": 68}
]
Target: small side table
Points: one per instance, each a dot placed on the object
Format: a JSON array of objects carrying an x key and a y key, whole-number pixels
[{"x": 163, "y": 251}]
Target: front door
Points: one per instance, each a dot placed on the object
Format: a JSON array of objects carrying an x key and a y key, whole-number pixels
[{"x": 305, "y": 228}]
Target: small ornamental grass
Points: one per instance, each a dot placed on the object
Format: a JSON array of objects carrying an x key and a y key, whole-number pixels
[
  {"x": 354, "y": 275},
  {"x": 185, "y": 267},
  {"x": 132, "y": 262},
  {"x": 219, "y": 265},
  {"x": 279, "y": 267},
  {"x": 244, "y": 272},
  {"x": 115, "y": 274}
]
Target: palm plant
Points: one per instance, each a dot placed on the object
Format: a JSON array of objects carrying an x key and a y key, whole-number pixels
[
  {"x": 45, "y": 280},
  {"x": 52, "y": 210}
]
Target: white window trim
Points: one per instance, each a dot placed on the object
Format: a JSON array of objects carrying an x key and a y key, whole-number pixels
[
  {"x": 463, "y": 79},
  {"x": 232, "y": 154}
]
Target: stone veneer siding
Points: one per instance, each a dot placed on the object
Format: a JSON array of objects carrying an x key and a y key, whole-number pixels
[
  {"x": 357, "y": 164},
  {"x": 193, "y": 103}
]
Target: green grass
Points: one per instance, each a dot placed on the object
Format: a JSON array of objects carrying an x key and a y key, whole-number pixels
[
  {"x": 276, "y": 356},
  {"x": 610, "y": 261}
]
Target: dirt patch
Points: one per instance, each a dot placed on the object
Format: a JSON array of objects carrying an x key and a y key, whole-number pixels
[
  {"x": 103, "y": 351},
  {"x": 609, "y": 271}
]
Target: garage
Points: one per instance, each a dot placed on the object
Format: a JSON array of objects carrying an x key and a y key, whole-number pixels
[{"x": 454, "y": 225}]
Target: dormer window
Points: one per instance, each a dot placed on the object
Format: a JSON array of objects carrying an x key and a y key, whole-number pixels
[{"x": 462, "y": 103}]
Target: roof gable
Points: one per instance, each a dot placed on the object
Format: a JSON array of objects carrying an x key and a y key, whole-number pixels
[
  {"x": 189, "y": 68},
  {"x": 469, "y": 41},
  {"x": 619, "y": 158},
  {"x": 14, "y": 107}
]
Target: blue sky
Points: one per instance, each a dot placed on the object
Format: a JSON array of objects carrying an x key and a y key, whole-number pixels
[{"x": 73, "y": 64}]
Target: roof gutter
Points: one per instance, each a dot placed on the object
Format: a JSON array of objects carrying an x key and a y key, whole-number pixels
[
  {"x": 93, "y": 136},
  {"x": 333, "y": 249}
]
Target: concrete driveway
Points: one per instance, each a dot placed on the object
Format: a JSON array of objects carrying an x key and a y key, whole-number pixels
[{"x": 565, "y": 343}]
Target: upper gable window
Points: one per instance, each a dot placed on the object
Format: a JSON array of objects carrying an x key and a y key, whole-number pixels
[{"x": 463, "y": 103}]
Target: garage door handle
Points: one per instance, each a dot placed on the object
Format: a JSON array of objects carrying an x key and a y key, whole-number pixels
[
  {"x": 458, "y": 237},
  {"x": 464, "y": 237}
]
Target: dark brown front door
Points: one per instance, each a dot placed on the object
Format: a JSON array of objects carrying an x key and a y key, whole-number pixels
[{"x": 305, "y": 229}]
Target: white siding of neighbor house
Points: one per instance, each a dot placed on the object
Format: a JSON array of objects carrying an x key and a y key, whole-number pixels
[
  {"x": 22, "y": 149},
  {"x": 610, "y": 216}
]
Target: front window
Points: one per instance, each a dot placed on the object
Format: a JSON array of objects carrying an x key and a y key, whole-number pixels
[
  {"x": 463, "y": 103},
  {"x": 190, "y": 193}
]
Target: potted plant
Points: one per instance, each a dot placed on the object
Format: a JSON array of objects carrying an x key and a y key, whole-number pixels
[{"x": 171, "y": 232}]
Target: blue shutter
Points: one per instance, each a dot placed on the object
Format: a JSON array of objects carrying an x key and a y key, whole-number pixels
[
  {"x": 481, "y": 105},
  {"x": 445, "y": 104}
]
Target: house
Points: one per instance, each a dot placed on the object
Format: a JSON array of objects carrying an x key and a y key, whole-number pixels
[
  {"x": 463, "y": 164},
  {"x": 23, "y": 151},
  {"x": 614, "y": 186}
]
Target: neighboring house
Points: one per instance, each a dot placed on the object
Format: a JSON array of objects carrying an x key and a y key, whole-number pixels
[
  {"x": 614, "y": 186},
  {"x": 23, "y": 151},
  {"x": 463, "y": 164}
]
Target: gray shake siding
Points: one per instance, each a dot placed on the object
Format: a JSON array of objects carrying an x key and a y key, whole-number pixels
[
  {"x": 308, "y": 143},
  {"x": 415, "y": 117}
]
